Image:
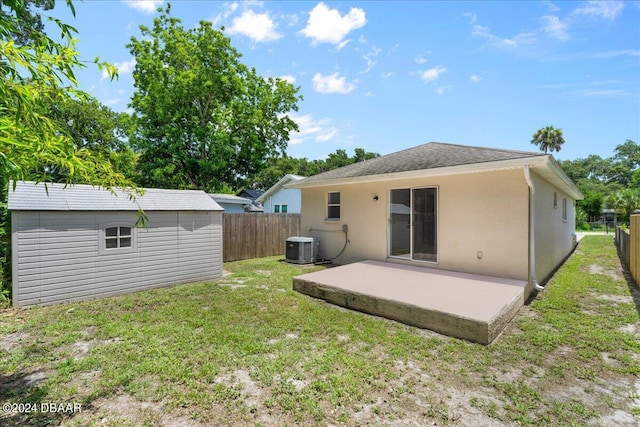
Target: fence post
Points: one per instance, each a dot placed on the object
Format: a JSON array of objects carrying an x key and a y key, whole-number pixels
[{"x": 634, "y": 247}]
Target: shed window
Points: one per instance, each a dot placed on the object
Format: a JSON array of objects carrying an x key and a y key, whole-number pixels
[
  {"x": 333, "y": 206},
  {"x": 117, "y": 237}
]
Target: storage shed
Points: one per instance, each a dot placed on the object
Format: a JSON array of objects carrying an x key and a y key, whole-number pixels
[{"x": 81, "y": 242}]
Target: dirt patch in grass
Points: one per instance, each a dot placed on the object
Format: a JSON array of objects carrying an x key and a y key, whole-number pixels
[{"x": 239, "y": 352}]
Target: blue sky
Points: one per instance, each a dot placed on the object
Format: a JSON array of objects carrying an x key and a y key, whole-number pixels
[{"x": 386, "y": 75}]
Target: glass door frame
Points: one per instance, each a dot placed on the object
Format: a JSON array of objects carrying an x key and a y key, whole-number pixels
[{"x": 412, "y": 225}]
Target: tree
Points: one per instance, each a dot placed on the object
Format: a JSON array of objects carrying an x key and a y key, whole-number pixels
[
  {"x": 96, "y": 128},
  {"x": 203, "y": 119},
  {"x": 36, "y": 73},
  {"x": 591, "y": 204},
  {"x": 548, "y": 138},
  {"x": 284, "y": 165},
  {"x": 625, "y": 162}
]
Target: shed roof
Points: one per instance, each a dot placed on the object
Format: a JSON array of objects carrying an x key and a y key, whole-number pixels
[
  {"x": 230, "y": 198},
  {"x": 30, "y": 196}
]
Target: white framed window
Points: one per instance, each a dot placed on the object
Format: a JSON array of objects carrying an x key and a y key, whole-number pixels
[
  {"x": 118, "y": 238},
  {"x": 276, "y": 208},
  {"x": 333, "y": 206},
  {"x": 564, "y": 209},
  {"x": 283, "y": 208}
]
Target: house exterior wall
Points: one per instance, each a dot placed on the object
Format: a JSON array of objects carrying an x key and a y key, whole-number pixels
[
  {"x": 554, "y": 236},
  {"x": 58, "y": 256},
  {"x": 485, "y": 212},
  {"x": 231, "y": 207},
  {"x": 284, "y": 196}
]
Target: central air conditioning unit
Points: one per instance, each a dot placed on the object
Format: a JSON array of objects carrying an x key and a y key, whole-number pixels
[{"x": 302, "y": 250}]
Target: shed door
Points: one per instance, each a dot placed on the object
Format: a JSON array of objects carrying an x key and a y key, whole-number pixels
[{"x": 413, "y": 224}]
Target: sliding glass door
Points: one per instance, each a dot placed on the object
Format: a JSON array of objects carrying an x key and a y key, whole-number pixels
[{"x": 414, "y": 225}]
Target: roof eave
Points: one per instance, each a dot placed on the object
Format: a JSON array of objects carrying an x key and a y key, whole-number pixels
[
  {"x": 420, "y": 173},
  {"x": 282, "y": 183},
  {"x": 546, "y": 162}
]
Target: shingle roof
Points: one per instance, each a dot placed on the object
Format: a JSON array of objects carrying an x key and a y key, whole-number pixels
[
  {"x": 31, "y": 196},
  {"x": 230, "y": 198},
  {"x": 278, "y": 185},
  {"x": 253, "y": 194},
  {"x": 427, "y": 156}
]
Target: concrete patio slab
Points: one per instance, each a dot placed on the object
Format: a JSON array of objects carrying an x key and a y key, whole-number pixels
[{"x": 468, "y": 306}]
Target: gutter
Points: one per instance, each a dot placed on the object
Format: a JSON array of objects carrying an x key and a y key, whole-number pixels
[{"x": 532, "y": 221}]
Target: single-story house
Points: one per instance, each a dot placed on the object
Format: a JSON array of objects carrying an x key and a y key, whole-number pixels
[
  {"x": 278, "y": 199},
  {"x": 82, "y": 242},
  {"x": 231, "y": 203},
  {"x": 485, "y": 211}
]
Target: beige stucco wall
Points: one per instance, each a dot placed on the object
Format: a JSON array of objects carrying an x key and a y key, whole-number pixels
[
  {"x": 553, "y": 235},
  {"x": 485, "y": 211}
]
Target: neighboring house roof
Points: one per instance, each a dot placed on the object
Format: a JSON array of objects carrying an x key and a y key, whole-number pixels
[
  {"x": 230, "y": 198},
  {"x": 288, "y": 178},
  {"x": 435, "y": 159},
  {"x": 29, "y": 196},
  {"x": 253, "y": 194},
  {"x": 254, "y": 207}
]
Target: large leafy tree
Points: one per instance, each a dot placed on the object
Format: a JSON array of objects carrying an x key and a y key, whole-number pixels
[
  {"x": 96, "y": 128},
  {"x": 625, "y": 162},
  {"x": 203, "y": 119},
  {"x": 548, "y": 139},
  {"x": 284, "y": 165},
  {"x": 36, "y": 71}
]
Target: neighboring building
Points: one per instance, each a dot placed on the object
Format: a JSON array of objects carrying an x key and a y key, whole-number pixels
[
  {"x": 231, "y": 203},
  {"x": 279, "y": 199},
  {"x": 252, "y": 195},
  {"x": 478, "y": 210},
  {"x": 81, "y": 242}
]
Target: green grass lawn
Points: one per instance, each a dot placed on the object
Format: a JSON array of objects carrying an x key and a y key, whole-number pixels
[{"x": 247, "y": 350}]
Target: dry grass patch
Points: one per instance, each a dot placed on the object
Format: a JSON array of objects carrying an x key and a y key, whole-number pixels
[{"x": 248, "y": 350}]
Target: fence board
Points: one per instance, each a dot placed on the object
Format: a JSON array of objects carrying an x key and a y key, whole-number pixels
[
  {"x": 634, "y": 247},
  {"x": 254, "y": 235}
]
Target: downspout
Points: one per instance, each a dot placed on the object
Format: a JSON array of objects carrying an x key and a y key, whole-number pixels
[{"x": 532, "y": 220}]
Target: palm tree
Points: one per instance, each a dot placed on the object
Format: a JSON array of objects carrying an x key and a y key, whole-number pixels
[{"x": 548, "y": 138}]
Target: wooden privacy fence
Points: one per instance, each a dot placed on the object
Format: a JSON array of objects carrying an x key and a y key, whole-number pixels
[
  {"x": 629, "y": 246},
  {"x": 255, "y": 235}
]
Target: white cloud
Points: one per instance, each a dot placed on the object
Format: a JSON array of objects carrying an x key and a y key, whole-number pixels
[
  {"x": 123, "y": 68},
  {"x": 228, "y": 8},
  {"x": 288, "y": 78},
  {"x": 551, "y": 7},
  {"x": 601, "y": 92},
  {"x": 387, "y": 75},
  {"x": 111, "y": 102},
  {"x": 333, "y": 83},
  {"x": 328, "y": 26},
  {"x": 554, "y": 26},
  {"x": 145, "y": 6},
  {"x": 440, "y": 90},
  {"x": 472, "y": 17},
  {"x": 259, "y": 27},
  {"x": 419, "y": 59},
  {"x": 318, "y": 130},
  {"x": 432, "y": 73},
  {"x": 601, "y": 9},
  {"x": 370, "y": 58},
  {"x": 517, "y": 40},
  {"x": 475, "y": 78}
]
